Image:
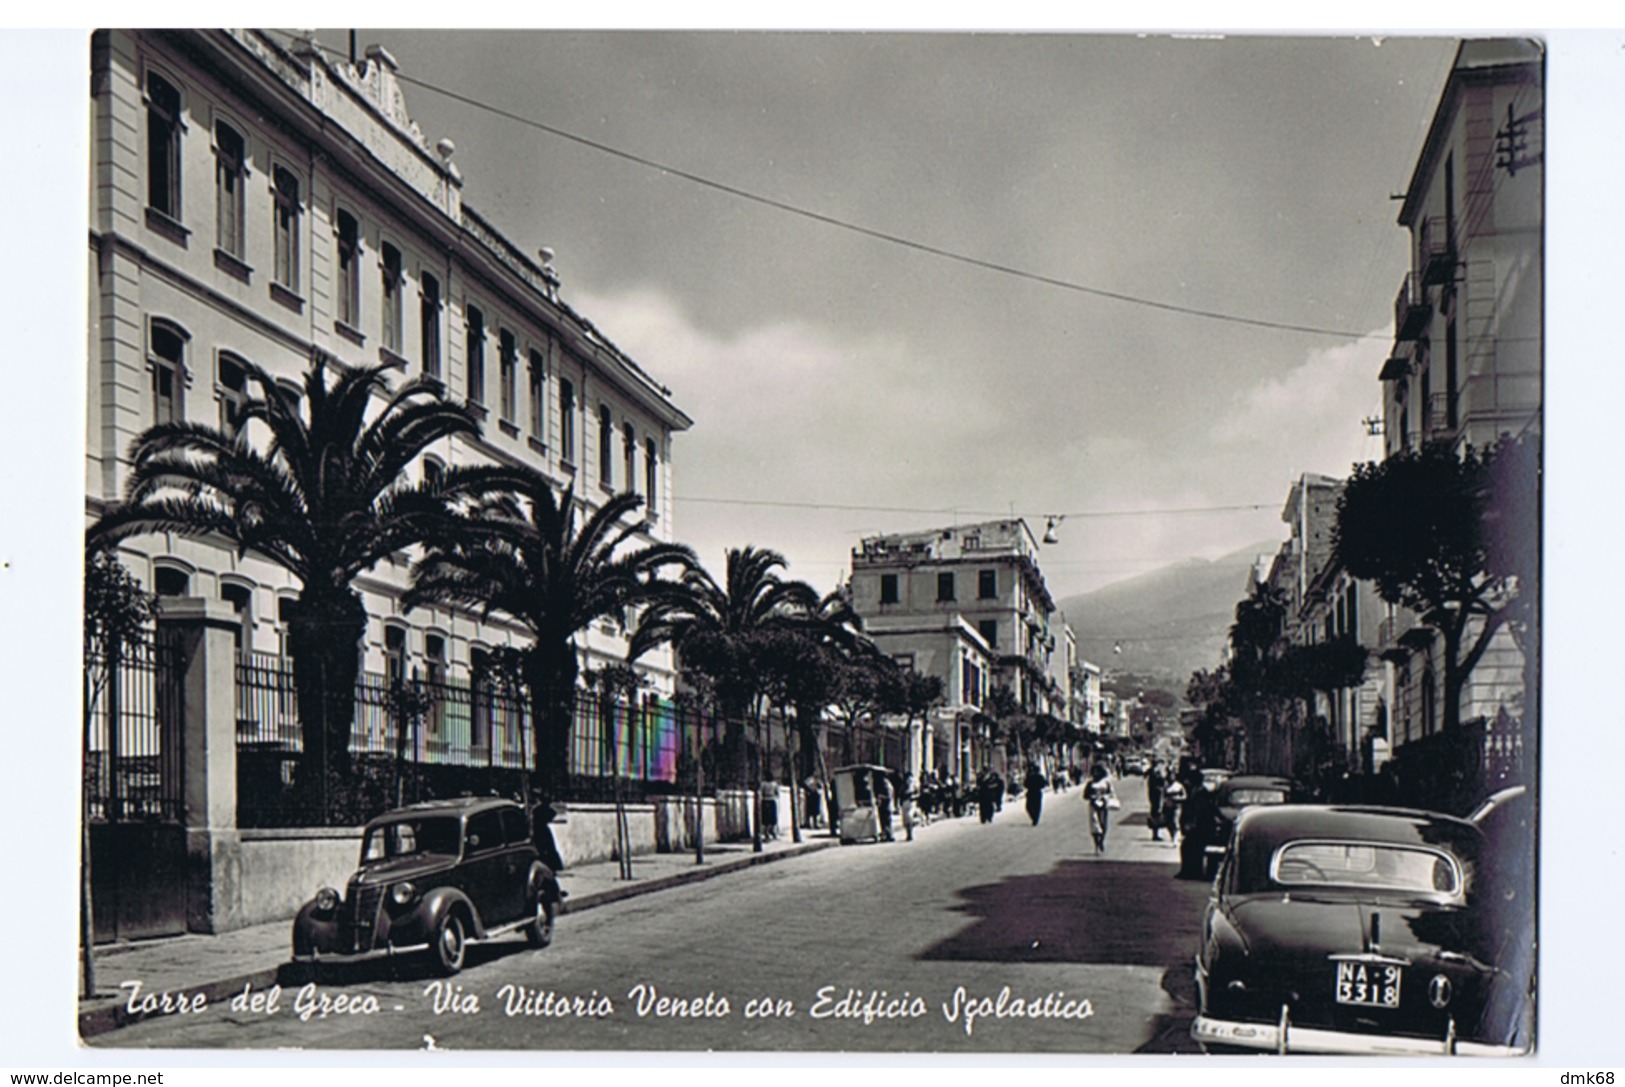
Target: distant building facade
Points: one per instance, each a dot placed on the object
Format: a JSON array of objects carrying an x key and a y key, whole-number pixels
[{"x": 969, "y": 604}]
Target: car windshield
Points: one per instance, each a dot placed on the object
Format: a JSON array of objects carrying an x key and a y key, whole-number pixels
[
  {"x": 1375, "y": 866},
  {"x": 1243, "y": 797},
  {"x": 436, "y": 834}
]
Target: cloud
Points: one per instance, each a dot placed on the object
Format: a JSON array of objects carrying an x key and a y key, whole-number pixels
[{"x": 1309, "y": 419}]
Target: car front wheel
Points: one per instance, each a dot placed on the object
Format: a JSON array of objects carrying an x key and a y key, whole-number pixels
[{"x": 449, "y": 944}]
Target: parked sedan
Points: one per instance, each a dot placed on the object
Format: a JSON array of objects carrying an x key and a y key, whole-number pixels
[
  {"x": 1352, "y": 930},
  {"x": 432, "y": 878},
  {"x": 1206, "y": 844}
]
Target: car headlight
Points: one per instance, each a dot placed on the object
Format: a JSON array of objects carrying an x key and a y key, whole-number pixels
[
  {"x": 403, "y": 893},
  {"x": 327, "y": 900}
]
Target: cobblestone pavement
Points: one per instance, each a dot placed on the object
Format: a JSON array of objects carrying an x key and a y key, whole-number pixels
[{"x": 1001, "y": 938}]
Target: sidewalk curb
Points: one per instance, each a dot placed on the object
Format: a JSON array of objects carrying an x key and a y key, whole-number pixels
[{"x": 111, "y": 1017}]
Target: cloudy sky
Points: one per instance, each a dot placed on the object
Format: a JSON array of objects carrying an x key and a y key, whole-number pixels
[{"x": 843, "y": 384}]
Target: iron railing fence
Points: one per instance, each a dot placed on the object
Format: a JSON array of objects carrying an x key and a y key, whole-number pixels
[{"x": 133, "y": 752}]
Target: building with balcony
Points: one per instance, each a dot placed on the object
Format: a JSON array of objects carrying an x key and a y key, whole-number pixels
[
  {"x": 1466, "y": 365},
  {"x": 968, "y": 604}
]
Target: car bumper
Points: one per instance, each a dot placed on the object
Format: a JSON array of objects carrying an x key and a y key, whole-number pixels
[
  {"x": 386, "y": 952},
  {"x": 1286, "y": 1037}
]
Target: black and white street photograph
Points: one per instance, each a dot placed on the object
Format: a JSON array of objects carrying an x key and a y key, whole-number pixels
[{"x": 808, "y": 542}]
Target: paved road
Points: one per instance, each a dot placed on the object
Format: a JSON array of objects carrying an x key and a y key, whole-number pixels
[{"x": 923, "y": 936}]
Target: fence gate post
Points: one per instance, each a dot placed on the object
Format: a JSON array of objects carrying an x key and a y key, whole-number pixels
[{"x": 200, "y": 632}]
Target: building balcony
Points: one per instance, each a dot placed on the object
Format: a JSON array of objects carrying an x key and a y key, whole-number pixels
[
  {"x": 1436, "y": 252},
  {"x": 1397, "y": 367},
  {"x": 1411, "y": 309}
]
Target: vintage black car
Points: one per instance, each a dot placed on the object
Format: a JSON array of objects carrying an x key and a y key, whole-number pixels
[
  {"x": 1206, "y": 843},
  {"x": 432, "y": 878},
  {"x": 1353, "y": 930}
]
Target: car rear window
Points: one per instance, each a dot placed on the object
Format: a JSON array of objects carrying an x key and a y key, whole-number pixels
[
  {"x": 1243, "y": 797},
  {"x": 1377, "y": 866}
]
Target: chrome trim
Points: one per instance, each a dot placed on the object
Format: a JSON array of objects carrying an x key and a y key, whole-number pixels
[
  {"x": 1368, "y": 956},
  {"x": 1299, "y": 1039},
  {"x": 388, "y": 951}
]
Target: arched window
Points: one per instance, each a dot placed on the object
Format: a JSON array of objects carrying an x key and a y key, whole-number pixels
[
  {"x": 393, "y": 285},
  {"x": 394, "y": 654},
  {"x": 164, "y": 127},
  {"x": 171, "y": 580},
  {"x": 230, "y": 168},
  {"x": 606, "y": 447},
  {"x": 349, "y": 273},
  {"x": 231, "y": 387},
  {"x": 285, "y": 213},
  {"x": 476, "y": 355},
  {"x": 508, "y": 376},
  {"x": 166, "y": 346},
  {"x": 429, "y": 323},
  {"x": 241, "y": 598}
]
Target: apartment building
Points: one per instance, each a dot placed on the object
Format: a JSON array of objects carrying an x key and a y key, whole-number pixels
[
  {"x": 967, "y": 603},
  {"x": 1467, "y": 359}
]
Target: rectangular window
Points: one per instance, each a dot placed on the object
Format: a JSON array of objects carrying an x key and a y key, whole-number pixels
[
  {"x": 349, "y": 278},
  {"x": 567, "y": 424},
  {"x": 606, "y": 447},
  {"x": 429, "y": 323},
  {"x": 228, "y": 189},
  {"x": 945, "y": 586},
  {"x": 508, "y": 365},
  {"x": 629, "y": 439},
  {"x": 987, "y": 584},
  {"x": 475, "y": 344},
  {"x": 163, "y": 146},
  {"x": 651, "y": 475},
  {"x": 989, "y": 629},
  {"x": 888, "y": 589},
  {"x": 538, "y": 395},
  {"x": 390, "y": 271},
  {"x": 285, "y": 228}
]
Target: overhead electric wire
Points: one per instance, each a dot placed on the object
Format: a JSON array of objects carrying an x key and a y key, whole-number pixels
[
  {"x": 870, "y": 232},
  {"x": 958, "y": 510}
]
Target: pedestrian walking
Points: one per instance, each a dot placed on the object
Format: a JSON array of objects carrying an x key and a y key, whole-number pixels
[
  {"x": 1101, "y": 798},
  {"x": 906, "y": 795},
  {"x": 1034, "y": 783},
  {"x": 987, "y": 794},
  {"x": 1156, "y": 781}
]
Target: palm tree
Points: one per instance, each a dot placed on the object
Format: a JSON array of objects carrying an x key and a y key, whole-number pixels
[
  {"x": 712, "y": 627},
  {"x": 326, "y": 499},
  {"x": 517, "y": 549}
]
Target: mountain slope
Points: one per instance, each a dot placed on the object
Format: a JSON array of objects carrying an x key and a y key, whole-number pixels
[{"x": 1167, "y": 623}]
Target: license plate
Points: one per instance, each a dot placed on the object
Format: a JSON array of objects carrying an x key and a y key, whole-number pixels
[{"x": 1370, "y": 985}]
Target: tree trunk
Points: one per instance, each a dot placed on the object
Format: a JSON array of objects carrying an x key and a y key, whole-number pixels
[
  {"x": 325, "y": 633},
  {"x": 550, "y": 673}
]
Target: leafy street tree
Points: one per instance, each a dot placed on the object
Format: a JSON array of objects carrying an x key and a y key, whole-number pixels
[
  {"x": 326, "y": 498},
  {"x": 517, "y": 549},
  {"x": 712, "y": 625},
  {"x": 1450, "y": 537}
]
